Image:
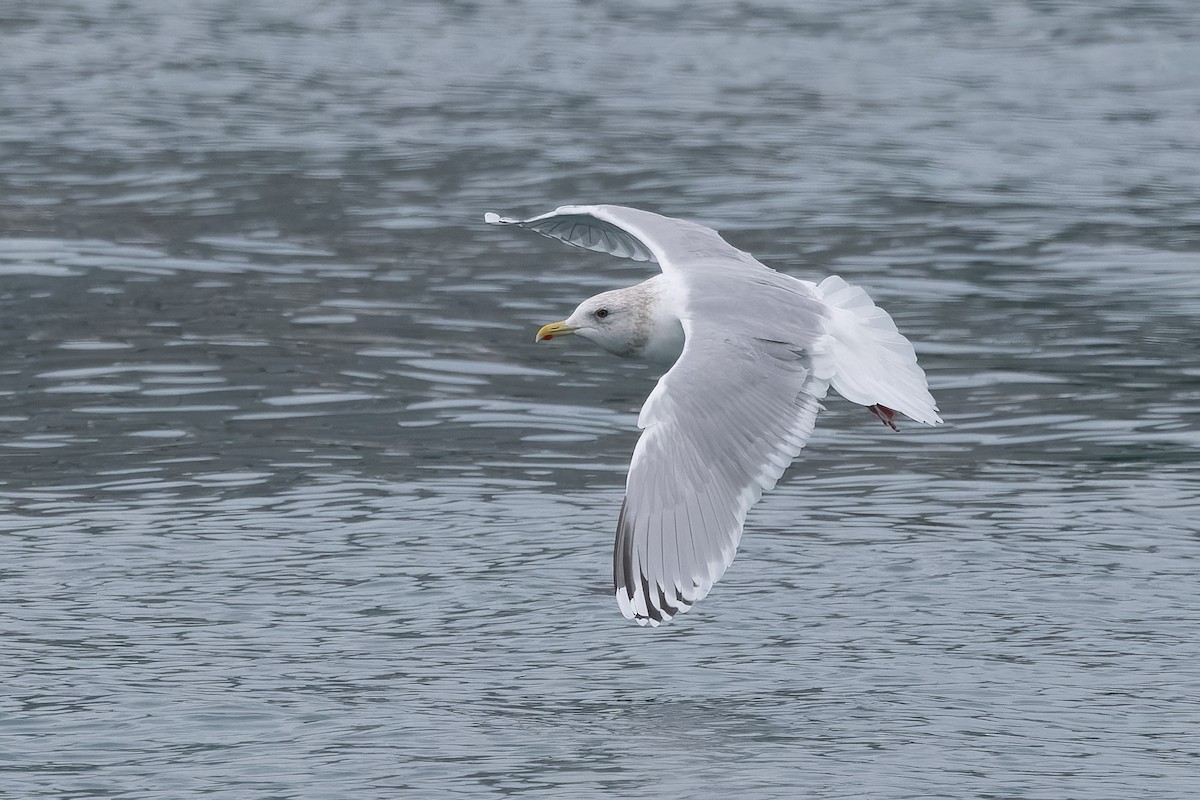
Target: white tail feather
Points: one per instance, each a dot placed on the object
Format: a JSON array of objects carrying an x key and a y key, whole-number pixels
[{"x": 873, "y": 364}]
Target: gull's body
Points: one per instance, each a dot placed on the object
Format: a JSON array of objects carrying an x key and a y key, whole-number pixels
[{"x": 753, "y": 351}]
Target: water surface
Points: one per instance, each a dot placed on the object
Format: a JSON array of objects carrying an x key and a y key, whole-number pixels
[{"x": 291, "y": 505}]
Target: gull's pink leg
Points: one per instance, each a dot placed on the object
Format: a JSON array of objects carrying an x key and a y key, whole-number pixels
[{"x": 885, "y": 415}]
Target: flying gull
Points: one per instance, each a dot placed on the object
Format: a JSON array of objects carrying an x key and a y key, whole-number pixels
[{"x": 751, "y": 353}]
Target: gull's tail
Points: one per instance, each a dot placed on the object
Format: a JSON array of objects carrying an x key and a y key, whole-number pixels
[{"x": 872, "y": 363}]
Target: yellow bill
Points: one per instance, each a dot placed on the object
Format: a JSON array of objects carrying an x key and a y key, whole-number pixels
[{"x": 548, "y": 332}]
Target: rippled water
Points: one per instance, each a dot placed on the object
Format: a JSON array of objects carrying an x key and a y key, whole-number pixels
[{"x": 291, "y": 505}]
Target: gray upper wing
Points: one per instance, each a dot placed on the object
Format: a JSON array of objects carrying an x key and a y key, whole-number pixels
[{"x": 719, "y": 429}]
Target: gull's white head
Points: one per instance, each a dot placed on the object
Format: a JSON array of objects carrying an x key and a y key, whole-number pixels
[
  {"x": 616, "y": 321},
  {"x": 631, "y": 323}
]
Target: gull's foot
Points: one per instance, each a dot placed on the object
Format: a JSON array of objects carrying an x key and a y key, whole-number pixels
[{"x": 885, "y": 414}]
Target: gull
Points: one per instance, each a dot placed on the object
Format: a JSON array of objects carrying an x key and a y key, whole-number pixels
[{"x": 751, "y": 353}]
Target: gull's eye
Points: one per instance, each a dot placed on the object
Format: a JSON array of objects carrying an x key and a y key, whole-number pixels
[{"x": 602, "y": 313}]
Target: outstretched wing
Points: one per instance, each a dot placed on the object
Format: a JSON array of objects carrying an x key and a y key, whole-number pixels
[
  {"x": 633, "y": 233},
  {"x": 720, "y": 428}
]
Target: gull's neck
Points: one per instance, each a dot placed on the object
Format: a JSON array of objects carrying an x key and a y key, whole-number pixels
[{"x": 664, "y": 339}]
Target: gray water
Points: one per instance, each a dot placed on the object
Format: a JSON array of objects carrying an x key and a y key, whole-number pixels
[{"x": 291, "y": 506}]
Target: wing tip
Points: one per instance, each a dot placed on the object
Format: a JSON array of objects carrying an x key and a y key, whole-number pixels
[{"x": 655, "y": 613}]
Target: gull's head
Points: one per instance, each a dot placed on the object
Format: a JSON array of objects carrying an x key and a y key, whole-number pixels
[{"x": 618, "y": 321}]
